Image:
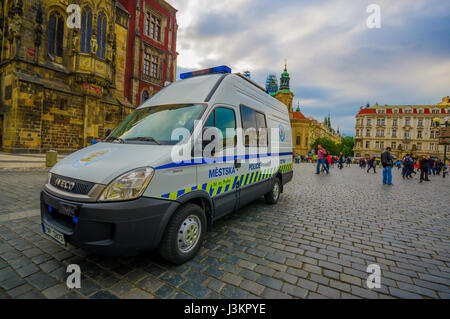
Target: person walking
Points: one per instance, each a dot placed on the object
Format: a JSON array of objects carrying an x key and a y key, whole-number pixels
[
  {"x": 424, "y": 166},
  {"x": 341, "y": 161},
  {"x": 321, "y": 159},
  {"x": 372, "y": 164},
  {"x": 439, "y": 166},
  {"x": 328, "y": 159},
  {"x": 387, "y": 161}
]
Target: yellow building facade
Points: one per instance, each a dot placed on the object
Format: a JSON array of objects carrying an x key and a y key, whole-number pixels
[{"x": 404, "y": 128}]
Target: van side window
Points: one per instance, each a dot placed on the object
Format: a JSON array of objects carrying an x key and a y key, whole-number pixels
[
  {"x": 223, "y": 119},
  {"x": 254, "y": 126}
]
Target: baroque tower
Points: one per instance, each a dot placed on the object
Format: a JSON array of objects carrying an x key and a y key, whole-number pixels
[{"x": 284, "y": 95}]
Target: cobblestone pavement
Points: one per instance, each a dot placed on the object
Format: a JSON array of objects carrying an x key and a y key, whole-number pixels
[
  {"x": 316, "y": 243},
  {"x": 20, "y": 190}
]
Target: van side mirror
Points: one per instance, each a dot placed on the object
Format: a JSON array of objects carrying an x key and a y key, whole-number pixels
[{"x": 107, "y": 132}]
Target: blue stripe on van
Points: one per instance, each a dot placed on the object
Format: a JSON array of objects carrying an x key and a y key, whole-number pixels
[{"x": 224, "y": 159}]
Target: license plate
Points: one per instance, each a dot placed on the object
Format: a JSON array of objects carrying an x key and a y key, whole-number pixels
[
  {"x": 53, "y": 233},
  {"x": 68, "y": 210}
]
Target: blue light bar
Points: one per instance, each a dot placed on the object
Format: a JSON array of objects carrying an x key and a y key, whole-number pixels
[{"x": 217, "y": 69}]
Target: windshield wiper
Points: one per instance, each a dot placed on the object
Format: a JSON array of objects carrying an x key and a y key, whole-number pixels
[
  {"x": 143, "y": 139},
  {"x": 115, "y": 138}
]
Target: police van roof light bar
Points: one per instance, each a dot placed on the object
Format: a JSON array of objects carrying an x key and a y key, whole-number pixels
[{"x": 217, "y": 69}]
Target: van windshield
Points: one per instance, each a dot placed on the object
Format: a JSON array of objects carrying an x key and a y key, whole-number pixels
[{"x": 154, "y": 125}]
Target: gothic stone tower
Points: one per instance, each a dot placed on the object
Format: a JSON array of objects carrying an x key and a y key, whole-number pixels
[{"x": 60, "y": 86}]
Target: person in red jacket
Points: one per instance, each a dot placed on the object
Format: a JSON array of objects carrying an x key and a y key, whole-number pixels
[{"x": 321, "y": 159}]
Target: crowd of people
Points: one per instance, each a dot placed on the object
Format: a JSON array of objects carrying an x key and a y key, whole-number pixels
[
  {"x": 409, "y": 164},
  {"x": 425, "y": 164}
]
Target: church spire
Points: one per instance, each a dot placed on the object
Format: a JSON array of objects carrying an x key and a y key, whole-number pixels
[{"x": 285, "y": 79}]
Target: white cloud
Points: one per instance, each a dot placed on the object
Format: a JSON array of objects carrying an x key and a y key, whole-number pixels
[{"x": 330, "y": 50}]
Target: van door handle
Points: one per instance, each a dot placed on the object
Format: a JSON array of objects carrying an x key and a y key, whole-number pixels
[{"x": 237, "y": 163}]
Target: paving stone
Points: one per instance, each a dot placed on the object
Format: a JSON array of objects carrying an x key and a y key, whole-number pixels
[
  {"x": 103, "y": 294},
  {"x": 275, "y": 294},
  {"x": 234, "y": 292},
  {"x": 164, "y": 291},
  {"x": 307, "y": 284},
  {"x": 215, "y": 285},
  {"x": 27, "y": 270},
  {"x": 41, "y": 280},
  {"x": 294, "y": 291},
  {"x": 139, "y": 294},
  {"x": 286, "y": 277},
  {"x": 351, "y": 279},
  {"x": 232, "y": 279},
  {"x": 403, "y": 294},
  {"x": 11, "y": 283},
  {"x": 195, "y": 289},
  {"x": 150, "y": 284},
  {"x": 173, "y": 279},
  {"x": 20, "y": 290},
  {"x": 55, "y": 291},
  {"x": 32, "y": 294},
  {"x": 122, "y": 288},
  {"x": 418, "y": 290},
  {"x": 252, "y": 287},
  {"x": 270, "y": 282},
  {"x": 329, "y": 292}
]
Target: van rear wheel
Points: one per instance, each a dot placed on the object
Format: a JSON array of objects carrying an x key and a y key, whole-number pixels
[
  {"x": 184, "y": 234},
  {"x": 273, "y": 196}
]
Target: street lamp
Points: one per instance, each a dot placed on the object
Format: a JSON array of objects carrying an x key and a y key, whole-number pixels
[{"x": 437, "y": 122}]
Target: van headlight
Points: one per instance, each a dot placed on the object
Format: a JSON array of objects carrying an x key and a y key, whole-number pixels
[{"x": 128, "y": 186}]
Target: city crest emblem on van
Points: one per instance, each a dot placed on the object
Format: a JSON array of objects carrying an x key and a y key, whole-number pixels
[
  {"x": 91, "y": 158},
  {"x": 282, "y": 133}
]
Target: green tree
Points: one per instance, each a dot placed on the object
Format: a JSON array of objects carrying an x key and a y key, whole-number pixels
[
  {"x": 327, "y": 144},
  {"x": 346, "y": 146}
]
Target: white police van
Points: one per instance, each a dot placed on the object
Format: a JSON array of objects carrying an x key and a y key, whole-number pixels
[{"x": 129, "y": 194}]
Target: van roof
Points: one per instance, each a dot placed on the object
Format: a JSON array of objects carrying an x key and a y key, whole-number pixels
[{"x": 213, "y": 88}]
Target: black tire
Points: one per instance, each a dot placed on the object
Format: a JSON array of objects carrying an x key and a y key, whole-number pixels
[
  {"x": 169, "y": 248},
  {"x": 273, "y": 196}
]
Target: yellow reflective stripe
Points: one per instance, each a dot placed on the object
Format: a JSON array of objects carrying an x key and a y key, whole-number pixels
[{"x": 243, "y": 180}]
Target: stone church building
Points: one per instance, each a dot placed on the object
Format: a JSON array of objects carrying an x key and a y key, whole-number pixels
[{"x": 61, "y": 87}]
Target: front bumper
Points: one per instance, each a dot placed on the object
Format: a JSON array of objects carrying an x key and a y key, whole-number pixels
[{"x": 115, "y": 229}]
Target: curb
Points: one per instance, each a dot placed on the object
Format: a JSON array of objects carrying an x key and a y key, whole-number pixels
[
  {"x": 15, "y": 216},
  {"x": 24, "y": 169}
]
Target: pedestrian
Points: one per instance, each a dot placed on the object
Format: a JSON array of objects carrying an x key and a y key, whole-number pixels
[
  {"x": 341, "y": 161},
  {"x": 387, "y": 162},
  {"x": 315, "y": 157},
  {"x": 372, "y": 164},
  {"x": 424, "y": 166},
  {"x": 328, "y": 161},
  {"x": 439, "y": 166},
  {"x": 321, "y": 159},
  {"x": 349, "y": 161}
]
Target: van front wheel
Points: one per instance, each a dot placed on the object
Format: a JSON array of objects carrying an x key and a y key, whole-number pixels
[
  {"x": 184, "y": 234},
  {"x": 273, "y": 196}
]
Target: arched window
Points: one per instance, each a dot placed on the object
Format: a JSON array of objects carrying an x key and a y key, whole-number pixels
[
  {"x": 86, "y": 30},
  {"x": 55, "y": 34},
  {"x": 145, "y": 96},
  {"x": 101, "y": 35}
]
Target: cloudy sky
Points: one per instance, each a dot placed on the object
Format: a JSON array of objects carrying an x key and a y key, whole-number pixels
[{"x": 336, "y": 63}]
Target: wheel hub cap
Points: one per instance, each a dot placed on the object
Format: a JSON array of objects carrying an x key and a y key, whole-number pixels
[
  {"x": 276, "y": 191},
  {"x": 189, "y": 234}
]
